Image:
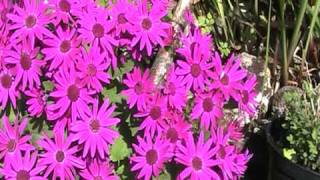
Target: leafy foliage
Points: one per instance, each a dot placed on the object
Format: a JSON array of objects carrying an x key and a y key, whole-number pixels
[{"x": 302, "y": 125}]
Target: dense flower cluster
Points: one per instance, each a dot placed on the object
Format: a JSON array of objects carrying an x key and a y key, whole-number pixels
[{"x": 58, "y": 56}]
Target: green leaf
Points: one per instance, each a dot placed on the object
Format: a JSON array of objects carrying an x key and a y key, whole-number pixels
[
  {"x": 288, "y": 153},
  {"x": 120, "y": 170},
  {"x": 164, "y": 176},
  {"x": 123, "y": 69},
  {"x": 119, "y": 150},
  {"x": 112, "y": 95},
  {"x": 48, "y": 85}
]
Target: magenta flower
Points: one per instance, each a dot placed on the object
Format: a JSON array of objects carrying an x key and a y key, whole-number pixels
[
  {"x": 95, "y": 29},
  {"x": 7, "y": 88},
  {"x": 149, "y": 29},
  {"x": 227, "y": 78},
  {"x": 228, "y": 156},
  {"x": 62, "y": 10},
  {"x": 175, "y": 128},
  {"x": 120, "y": 13},
  {"x": 23, "y": 167},
  {"x": 36, "y": 102},
  {"x": 196, "y": 38},
  {"x": 98, "y": 170},
  {"x": 59, "y": 156},
  {"x": 11, "y": 138},
  {"x": 198, "y": 157},
  {"x": 5, "y": 7},
  {"x": 69, "y": 94},
  {"x": 209, "y": 108},
  {"x": 175, "y": 91},
  {"x": 247, "y": 96},
  {"x": 153, "y": 115},
  {"x": 149, "y": 157},
  {"x": 95, "y": 130},
  {"x": 93, "y": 69},
  {"x": 140, "y": 87},
  {"x": 194, "y": 69},
  {"x": 28, "y": 66},
  {"x": 63, "y": 48},
  {"x": 30, "y": 21}
]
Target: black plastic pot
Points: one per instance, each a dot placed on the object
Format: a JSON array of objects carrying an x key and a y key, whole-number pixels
[{"x": 281, "y": 168}]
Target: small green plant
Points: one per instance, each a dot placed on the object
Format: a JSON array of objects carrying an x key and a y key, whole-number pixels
[{"x": 302, "y": 127}]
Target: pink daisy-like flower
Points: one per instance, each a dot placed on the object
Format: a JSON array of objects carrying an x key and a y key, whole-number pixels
[
  {"x": 153, "y": 115},
  {"x": 247, "y": 96},
  {"x": 36, "y": 102},
  {"x": 95, "y": 130},
  {"x": 149, "y": 29},
  {"x": 120, "y": 12},
  {"x": 29, "y": 22},
  {"x": 23, "y": 167},
  {"x": 194, "y": 69},
  {"x": 59, "y": 156},
  {"x": 7, "y": 88},
  {"x": 93, "y": 69},
  {"x": 175, "y": 128},
  {"x": 198, "y": 157},
  {"x": 209, "y": 108},
  {"x": 28, "y": 66},
  {"x": 11, "y": 138},
  {"x": 175, "y": 91},
  {"x": 63, "y": 48},
  {"x": 98, "y": 170},
  {"x": 140, "y": 87},
  {"x": 196, "y": 38},
  {"x": 69, "y": 94},
  {"x": 95, "y": 29},
  {"x": 62, "y": 10},
  {"x": 149, "y": 157},
  {"x": 227, "y": 155},
  {"x": 227, "y": 78}
]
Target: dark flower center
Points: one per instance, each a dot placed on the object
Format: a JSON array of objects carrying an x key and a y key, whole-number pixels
[
  {"x": 65, "y": 46},
  {"x": 138, "y": 88},
  {"x": 25, "y": 61},
  {"x": 6, "y": 81},
  {"x": 91, "y": 70},
  {"x": 64, "y": 5},
  {"x": 4, "y": 14},
  {"x": 245, "y": 97},
  {"x": 152, "y": 156},
  {"x": 155, "y": 112},
  {"x": 172, "y": 88},
  {"x": 196, "y": 163},
  {"x": 98, "y": 30},
  {"x": 94, "y": 126},
  {"x": 23, "y": 175},
  {"x": 146, "y": 23},
  {"x": 122, "y": 18},
  {"x": 222, "y": 153},
  {"x": 207, "y": 104},
  {"x": 98, "y": 178},
  {"x": 11, "y": 145},
  {"x": 30, "y": 21},
  {"x": 225, "y": 79},
  {"x": 195, "y": 70},
  {"x": 60, "y": 156},
  {"x": 172, "y": 134},
  {"x": 73, "y": 92}
]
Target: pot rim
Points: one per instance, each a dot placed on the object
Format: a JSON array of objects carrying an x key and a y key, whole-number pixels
[{"x": 278, "y": 151}]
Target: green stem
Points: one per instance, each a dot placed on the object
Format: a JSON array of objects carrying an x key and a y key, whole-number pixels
[
  {"x": 283, "y": 41},
  {"x": 296, "y": 31},
  {"x": 310, "y": 34}
]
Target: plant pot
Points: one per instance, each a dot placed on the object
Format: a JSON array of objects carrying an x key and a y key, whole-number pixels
[{"x": 280, "y": 168}]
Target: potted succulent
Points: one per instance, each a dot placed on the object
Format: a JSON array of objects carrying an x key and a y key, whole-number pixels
[{"x": 294, "y": 139}]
